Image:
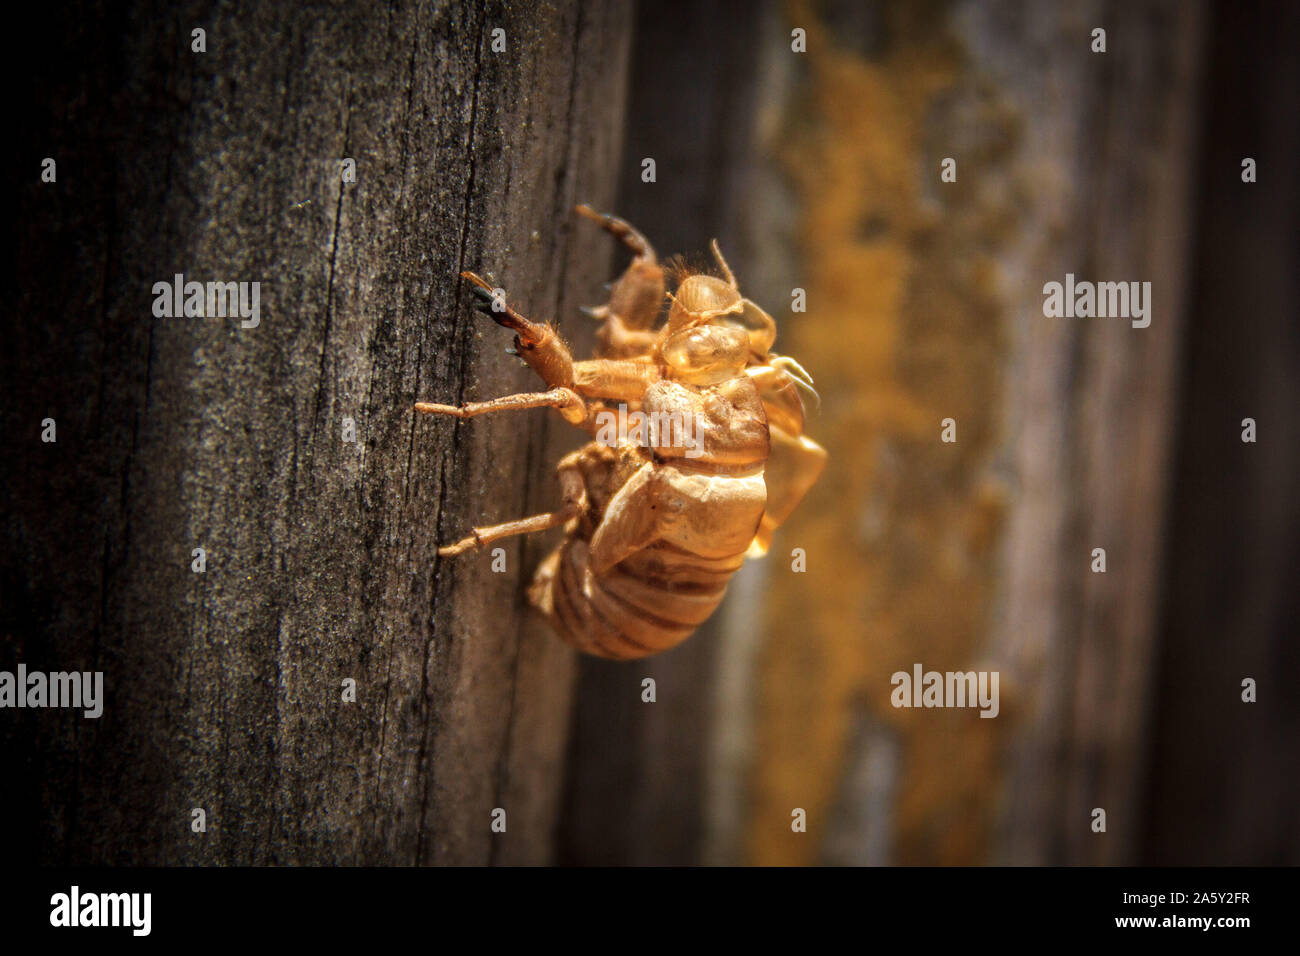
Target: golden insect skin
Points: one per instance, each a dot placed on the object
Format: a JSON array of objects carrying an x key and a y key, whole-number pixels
[{"x": 655, "y": 527}]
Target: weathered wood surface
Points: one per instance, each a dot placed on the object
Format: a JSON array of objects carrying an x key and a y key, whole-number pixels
[{"x": 224, "y": 688}]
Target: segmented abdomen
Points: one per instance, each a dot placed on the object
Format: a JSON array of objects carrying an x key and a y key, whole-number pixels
[{"x": 648, "y": 603}]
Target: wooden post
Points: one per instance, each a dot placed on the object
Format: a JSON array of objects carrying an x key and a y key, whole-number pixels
[{"x": 351, "y": 161}]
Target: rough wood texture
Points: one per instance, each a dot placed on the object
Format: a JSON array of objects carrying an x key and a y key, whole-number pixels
[{"x": 175, "y": 433}]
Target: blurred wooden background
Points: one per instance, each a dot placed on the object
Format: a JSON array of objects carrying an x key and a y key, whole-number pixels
[{"x": 821, "y": 171}]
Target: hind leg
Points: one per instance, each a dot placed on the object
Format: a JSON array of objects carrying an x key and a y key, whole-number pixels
[{"x": 573, "y": 492}]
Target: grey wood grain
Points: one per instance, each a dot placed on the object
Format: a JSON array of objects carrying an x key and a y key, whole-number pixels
[{"x": 174, "y": 433}]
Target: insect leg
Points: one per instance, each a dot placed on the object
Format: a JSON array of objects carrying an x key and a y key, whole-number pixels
[
  {"x": 575, "y": 500},
  {"x": 622, "y": 230},
  {"x": 635, "y": 299},
  {"x": 621, "y": 380},
  {"x": 616, "y": 339},
  {"x": 630, "y": 522},
  {"x": 794, "y": 464},
  {"x": 570, "y": 405},
  {"x": 538, "y": 343}
]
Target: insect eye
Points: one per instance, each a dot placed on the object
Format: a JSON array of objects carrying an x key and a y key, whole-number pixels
[{"x": 755, "y": 323}]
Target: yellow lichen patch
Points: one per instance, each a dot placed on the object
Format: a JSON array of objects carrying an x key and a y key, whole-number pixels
[{"x": 903, "y": 330}]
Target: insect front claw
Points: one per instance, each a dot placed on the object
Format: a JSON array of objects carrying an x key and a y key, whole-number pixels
[
  {"x": 488, "y": 298},
  {"x": 491, "y": 301}
]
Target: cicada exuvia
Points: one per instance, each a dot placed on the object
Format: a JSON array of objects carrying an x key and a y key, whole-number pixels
[{"x": 698, "y": 452}]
